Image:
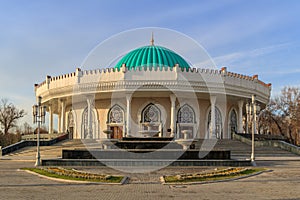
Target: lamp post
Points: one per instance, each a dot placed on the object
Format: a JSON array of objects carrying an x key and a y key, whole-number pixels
[
  {"x": 253, "y": 109},
  {"x": 39, "y": 113},
  {"x": 247, "y": 116}
]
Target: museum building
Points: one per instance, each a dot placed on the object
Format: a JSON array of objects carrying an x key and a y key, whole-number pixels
[{"x": 151, "y": 92}]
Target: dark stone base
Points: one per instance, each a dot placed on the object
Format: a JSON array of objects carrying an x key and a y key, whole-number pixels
[
  {"x": 141, "y": 139},
  {"x": 145, "y": 154},
  {"x": 147, "y": 143},
  {"x": 141, "y": 163}
]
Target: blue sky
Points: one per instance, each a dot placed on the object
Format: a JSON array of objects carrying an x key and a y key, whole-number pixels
[{"x": 39, "y": 38}]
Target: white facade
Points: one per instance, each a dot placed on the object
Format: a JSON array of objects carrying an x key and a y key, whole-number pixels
[{"x": 89, "y": 102}]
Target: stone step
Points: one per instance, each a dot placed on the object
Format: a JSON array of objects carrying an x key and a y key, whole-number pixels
[{"x": 142, "y": 163}]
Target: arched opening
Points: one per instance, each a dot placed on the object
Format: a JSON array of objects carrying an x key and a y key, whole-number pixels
[
  {"x": 115, "y": 121},
  {"x": 151, "y": 113},
  {"x": 218, "y": 124},
  {"x": 71, "y": 124},
  {"x": 186, "y": 120},
  {"x": 151, "y": 118},
  {"x": 232, "y": 126},
  {"x": 88, "y": 131}
]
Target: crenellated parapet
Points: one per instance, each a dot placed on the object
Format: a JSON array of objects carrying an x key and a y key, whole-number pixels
[{"x": 113, "y": 79}]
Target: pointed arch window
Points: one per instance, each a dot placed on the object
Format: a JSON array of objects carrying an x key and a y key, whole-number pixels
[
  {"x": 151, "y": 113},
  {"x": 186, "y": 114},
  {"x": 116, "y": 115},
  {"x": 186, "y": 120}
]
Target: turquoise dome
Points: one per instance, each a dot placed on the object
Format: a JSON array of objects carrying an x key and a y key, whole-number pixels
[{"x": 151, "y": 56}]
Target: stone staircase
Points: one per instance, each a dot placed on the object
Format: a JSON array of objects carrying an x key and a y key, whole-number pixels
[
  {"x": 239, "y": 151},
  {"x": 114, "y": 157},
  {"x": 53, "y": 151}
]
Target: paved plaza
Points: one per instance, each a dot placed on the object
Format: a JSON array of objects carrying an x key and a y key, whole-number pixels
[{"x": 282, "y": 182}]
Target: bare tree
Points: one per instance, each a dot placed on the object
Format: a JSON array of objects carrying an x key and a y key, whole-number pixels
[
  {"x": 283, "y": 113},
  {"x": 27, "y": 129},
  {"x": 9, "y": 115},
  {"x": 266, "y": 121}
]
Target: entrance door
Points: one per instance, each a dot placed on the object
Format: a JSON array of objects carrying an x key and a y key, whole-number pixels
[{"x": 117, "y": 132}]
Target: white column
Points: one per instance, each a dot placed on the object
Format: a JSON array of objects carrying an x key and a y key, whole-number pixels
[
  {"x": 90, "y": 134},
  {"x": 59, "y": 123},
  {"x": 63, "y": 116},
  {"x": 212, "y": 127},
  {"x": 240, "y": 118},
  {"x": 50, "y": 119},
  {"x": 173, "y": 123},
  {"x": 128, "y": 114}
]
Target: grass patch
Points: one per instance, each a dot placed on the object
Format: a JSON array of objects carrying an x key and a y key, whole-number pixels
[
  {"x": 223, "y": 174},
  {"x": 71, "y": 174}
]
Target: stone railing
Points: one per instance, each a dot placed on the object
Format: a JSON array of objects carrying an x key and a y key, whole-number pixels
[
  {"x": 26, "y": 143},
  {"x": 269, "y": 143},
  {"x": 43, "y": 136},
  {"x": 263, "y": 137}
]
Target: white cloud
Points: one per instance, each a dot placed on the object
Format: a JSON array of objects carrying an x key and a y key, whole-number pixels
[{"x": 249, "y": 54}]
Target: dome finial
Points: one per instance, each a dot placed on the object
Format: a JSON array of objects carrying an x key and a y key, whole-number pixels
[{"x": 152, "y": 40}]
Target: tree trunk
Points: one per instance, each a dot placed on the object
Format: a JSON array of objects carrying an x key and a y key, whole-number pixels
[
  {"x": 291, "y": 139},
  {"x": 6, "y": 130},
  {"x": 278, "y": 126}
]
